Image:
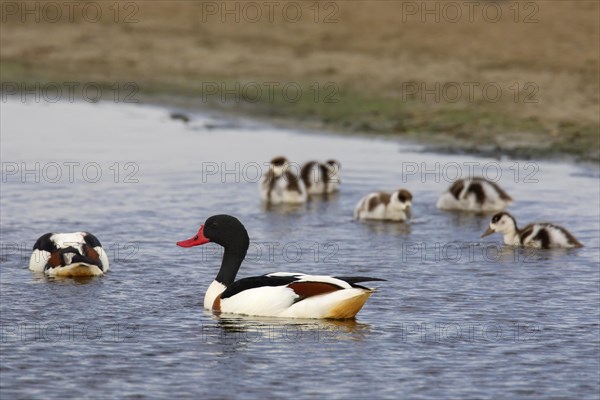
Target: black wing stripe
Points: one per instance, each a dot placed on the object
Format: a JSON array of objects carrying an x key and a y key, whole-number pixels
[
  {"x": 256, "y": 282},
  {"x": 260, "y": 281},
  {"x": 44, "y": 243},
  {"x": 353, "y": 280},
  {"x": 91, "y": 240}
]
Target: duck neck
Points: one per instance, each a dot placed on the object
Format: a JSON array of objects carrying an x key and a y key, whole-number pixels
[
  {"x": 232, "y": 260},
  {"x": 511, "y": 236}
]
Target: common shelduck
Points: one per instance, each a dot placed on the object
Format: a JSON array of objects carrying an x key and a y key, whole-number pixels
[
  {"x": 539, "y": 235},
  {"x": 474, "y": 194},
  {"x": 321, "y": 178},
  {"x": 69, "y": 254},
  {"x": 385, "y": 206},
  {"x": 281, "y": 294},
  {"x": 281, "y": 185}
]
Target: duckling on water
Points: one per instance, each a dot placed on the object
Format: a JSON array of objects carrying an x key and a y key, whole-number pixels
[
  {"x": 280, "y": 185},
  {"x": 541, "y": 235},
  {"x": 474, "y": 194},
  {"x": 385, "y": 206}
]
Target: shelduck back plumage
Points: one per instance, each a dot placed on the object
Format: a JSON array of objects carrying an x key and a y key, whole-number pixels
[
  {"x": 385, "y": 206},
  {"x": 474, "y": 194},
  {"x": 69, "y": 255},
  {"x": 321, "y": 178}
]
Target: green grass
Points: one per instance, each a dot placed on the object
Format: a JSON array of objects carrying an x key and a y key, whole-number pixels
[{"x": 464, "y": 128}]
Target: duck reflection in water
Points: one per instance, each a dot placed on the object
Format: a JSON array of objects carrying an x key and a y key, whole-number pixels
[{"x": 229, "y": 329}]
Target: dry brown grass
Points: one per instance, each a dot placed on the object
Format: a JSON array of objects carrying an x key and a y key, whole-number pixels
[{"x": 370, "y": 53}]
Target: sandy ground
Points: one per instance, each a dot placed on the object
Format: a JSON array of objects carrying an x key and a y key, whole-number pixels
[{"x": 499, "y": 77}]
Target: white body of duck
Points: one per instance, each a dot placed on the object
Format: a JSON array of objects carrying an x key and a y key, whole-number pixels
[
  {"x": 69, "y": 255},
  {"x": 295, "y": 296},
  {"x": 385, "y": 206},
  {"x": 541, "y": 235},
  {"x": 321, "y": 178},
  {"x": 282, "y": 294},
  {"x": 474, "y": 194},
  {"x": 280, "y": 185}
]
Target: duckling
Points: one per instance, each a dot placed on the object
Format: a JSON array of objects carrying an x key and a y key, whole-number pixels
[
  {"x": 539, "y": 235},
  {"x": 321, "y": 178},
  {"x": 280, "y": 185},
  {"x": 385, "y": 206},
  {"x": 474, "y": 194}
]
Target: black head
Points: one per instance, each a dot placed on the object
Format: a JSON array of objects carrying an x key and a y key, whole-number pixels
[
  {"x": 334, "y": 164},
  {"x": 224, "y": 230},
  {"x": 497, "y": 217},
  {"x": 501, "y": 222},
  {"x": 404, "y": 195},
  {"x": 279, "y": 161}
]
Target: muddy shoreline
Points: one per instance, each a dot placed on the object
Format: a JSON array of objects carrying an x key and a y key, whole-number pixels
[
  {"x": 518, "y": 87},
  {"x": 528, "y": 147}
]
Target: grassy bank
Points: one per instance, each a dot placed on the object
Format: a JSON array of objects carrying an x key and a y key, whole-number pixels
[{"x": 525, "y": 85}]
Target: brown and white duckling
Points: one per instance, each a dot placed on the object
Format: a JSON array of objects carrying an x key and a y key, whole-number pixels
[
  {"x": 280, "y": 185},
  {"x": 385, "y": 206},
  {"x": 541, "y": 235},
  {"x": 321, "y": 178},
  {"x": 474, "y": 194},
  {"x": 69, "y": 255}
]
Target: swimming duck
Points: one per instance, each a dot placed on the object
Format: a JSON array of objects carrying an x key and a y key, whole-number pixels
[
  {"x": 384, "y": 206},
  {"x": 321, "y": 178},
  {"x": 280, "y": 294},
  {"x": 539, "y": 235},
  {"x": 474, "y": 194},
  {"x": 280, "y": 185},
  {"x": 69, "y": 254}
]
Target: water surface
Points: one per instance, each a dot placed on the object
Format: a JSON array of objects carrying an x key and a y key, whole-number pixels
[{"x": 458, "y": 316}]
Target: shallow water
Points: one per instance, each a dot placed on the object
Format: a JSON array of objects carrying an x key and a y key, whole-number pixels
[{"x": 458, "y": 316}]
